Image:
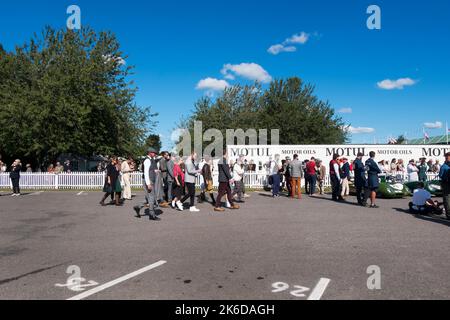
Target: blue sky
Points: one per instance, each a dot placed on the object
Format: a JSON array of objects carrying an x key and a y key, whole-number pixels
[{"x": 176, "y": 44}]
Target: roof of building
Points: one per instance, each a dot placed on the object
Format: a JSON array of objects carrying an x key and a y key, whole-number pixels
[{"x": 433, "y": 140}]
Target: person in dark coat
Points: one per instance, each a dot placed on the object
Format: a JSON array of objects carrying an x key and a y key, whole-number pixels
[
  {"x": 373, "y": 170},
  {"x": 14, "y": 175},
  {"x": 112, "y": 182},
  {"x": 225, "y": 179},
  {"x": 360, "y": 180}
]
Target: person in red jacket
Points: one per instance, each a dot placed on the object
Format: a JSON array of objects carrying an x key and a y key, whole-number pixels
[{"x": 311, "y": 172}]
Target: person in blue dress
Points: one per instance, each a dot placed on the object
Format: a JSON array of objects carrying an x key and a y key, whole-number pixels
[{"x": 373, "y": 170}]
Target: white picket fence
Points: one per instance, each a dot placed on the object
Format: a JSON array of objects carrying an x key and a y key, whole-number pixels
[{"x": 95, "y": 181}]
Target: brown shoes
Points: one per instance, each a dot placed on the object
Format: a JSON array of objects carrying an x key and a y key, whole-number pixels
[
  {"x": 233, "y": 207},
  {"x": 164, "y": 205}
]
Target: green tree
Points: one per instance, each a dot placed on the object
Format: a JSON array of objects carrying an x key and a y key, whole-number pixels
[
  {"x": 69, "y": 92},
  {"x": 288, "y": 105},
  {"x": 401, "y": 139},
  {"x": 153, "y": 141}
]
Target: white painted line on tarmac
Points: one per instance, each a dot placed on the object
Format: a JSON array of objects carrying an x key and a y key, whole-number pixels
[
  {"x": 117, "y": 281},
  {"x": 319, "y": 289},
  {"x": 80, "y": 193}
]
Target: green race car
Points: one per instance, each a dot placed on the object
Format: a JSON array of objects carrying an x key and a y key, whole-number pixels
[
  {"x": 433, "y": 187},
  {"x": 391, "y": 187}
]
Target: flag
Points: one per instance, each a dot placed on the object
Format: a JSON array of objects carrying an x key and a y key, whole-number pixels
[
  {"x": 392, "y": 141},
  {"x": 426, "y": 135}
]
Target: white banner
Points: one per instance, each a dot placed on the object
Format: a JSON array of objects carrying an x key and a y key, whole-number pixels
[{"x": 261, "y": 154}]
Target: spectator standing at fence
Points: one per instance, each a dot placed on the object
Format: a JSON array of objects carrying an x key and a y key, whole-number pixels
[
  {"x": 296, "y": 170},
  {"x": 126, "y": 177},
  {"x": 190, "y": 175},
  {"x": 335, "y": 178},
  {"x": 393, "y": 166},
  {"x": 14, "y": 175},
  {"x": 360, "y": 180},
  {"x": 150, "y": 168},
  {"x": 225, "y": 179},
  {"x": 59, "y": 168},
  {"x": 436, "y": 167},
  {"x": 373, "y": 181},
  {"x": 2, "y": 166},
  {"x": 50, "y": 169},
  {"x": 29, "y": 169},
  {"x": 400, "y": 166},
  {"x": 430, "y": 166},
  {"x": 345, "y": 178},
  {"x": 423, "y": 168},
  {"x": 321, "y": 176},
  {"x": 444, "y": 175},
  {"x": 67, "y": 166},
  {"x": 413, "y": 171}
]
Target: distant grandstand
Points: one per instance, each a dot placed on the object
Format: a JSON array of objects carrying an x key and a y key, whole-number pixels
[{"x": 432, "y": 140}]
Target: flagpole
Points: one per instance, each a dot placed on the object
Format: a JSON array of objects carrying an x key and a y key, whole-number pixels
[{"x": 447, "y": 132}]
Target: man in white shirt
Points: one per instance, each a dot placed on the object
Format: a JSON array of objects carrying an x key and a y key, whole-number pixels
[
  {"x": 238, "y": 175},
  {"x": 422, "y": 202}
]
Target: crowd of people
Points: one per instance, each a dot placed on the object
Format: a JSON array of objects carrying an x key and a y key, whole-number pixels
[
  {"x": 289, "y": 173},
  {"x": 170, "y": 181}
]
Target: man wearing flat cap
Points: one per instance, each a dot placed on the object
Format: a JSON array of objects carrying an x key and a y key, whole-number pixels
[{"x": 149, "y": 178}]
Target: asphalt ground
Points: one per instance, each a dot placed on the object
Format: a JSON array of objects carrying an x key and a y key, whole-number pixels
[{"x": 312, "y": 248}]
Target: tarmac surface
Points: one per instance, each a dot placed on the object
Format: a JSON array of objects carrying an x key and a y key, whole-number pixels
[{"x": 270, "y": 249}]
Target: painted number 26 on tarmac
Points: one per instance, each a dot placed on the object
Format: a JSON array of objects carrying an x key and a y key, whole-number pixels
[{"x": 299, "y": 291}]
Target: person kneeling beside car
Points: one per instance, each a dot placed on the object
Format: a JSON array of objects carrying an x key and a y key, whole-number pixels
[{"x": 422, "y": 202}]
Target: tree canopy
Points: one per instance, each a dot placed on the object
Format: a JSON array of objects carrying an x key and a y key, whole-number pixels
[
  {"x": 69, "y": 92},
  {"x": 288, "y": 105}
]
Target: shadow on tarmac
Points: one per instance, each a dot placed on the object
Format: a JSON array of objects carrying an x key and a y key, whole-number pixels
[{"x": 429, "y": 218}]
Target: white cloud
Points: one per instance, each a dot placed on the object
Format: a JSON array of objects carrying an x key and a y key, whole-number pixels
[
  {"x": 398, "y": 84},
  {"x": 212, "y": 84},
  {"x": 433, "y": 125},
  {"x": 278, "y": 48},
  {"x": 345, "y": 110},
  {"x": 250, "y": 71},
  {"x": 287, "y": 46},
  {"x": 300, "y": 38},
  {"x": 360, "y": 130}
]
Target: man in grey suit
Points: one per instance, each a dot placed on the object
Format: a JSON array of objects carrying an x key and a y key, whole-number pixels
[{"x": 168, "y": 177}]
